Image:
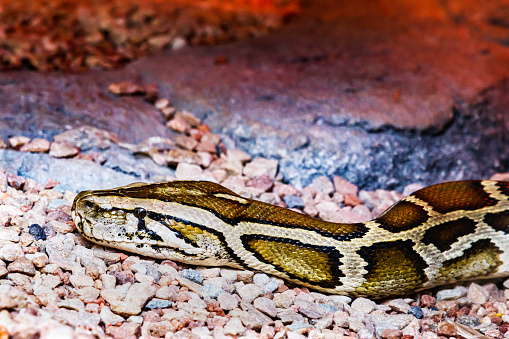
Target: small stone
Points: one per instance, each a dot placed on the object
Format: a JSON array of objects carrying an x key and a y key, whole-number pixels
[
  {"x": 178, "y": 124},
  {"x": 137, "y": 296},
  {"x": 191, "y": 285},
  {"x": 62, "y": 227},
  {"x": 189, "y": 117},
  {"x": 15, "y": 181},
  {"x": 261, "y": 279},
  {"x": 416, "y": 311},
  {"x": 22, "y": 281},
  {"x": 12, "y": 298},
  {"x": 63, "y": 150},
  {"x": 192, "y": 275},
  {"x": 238, "y": 155},
  {"x": 271, "y": 286},
  {"x": 72, "y": 304},
  {"x": 158, "y": 303},
  {"x": 249, "y": 292},
  {"x": 186, "y": 142},
  {"x": 285, "y": 300},
  {"x": 234, "y": 327},
  {"x": 212, "y": 290},
  {"x": 9, "y": 234},
  {"x": 323, "y": 185},
  {"x": 17, "y": 142},
  {"x": 161, "y": 103},
  {"x": 261, "y": 166},
  {"x": 227, "y": 301},
  {"x": 293, "y": 201},
  {"x": 22, "y": 265},
  {"x": 399, "y": 305},
  {"x": 478, "y": 294},
  {"x": 409, "y": 189},
  {"x": 185, "y": 171},
  {"x": 108, "y": 280},
  {"x": 289, "y": 316},
  {"x": 245, "y": 276},
  {"x": 263, "y": 183},
  {"x": 447, "y": 329},
  {"x": 209, "y": 273},
  {"x": 391, "y": 334},
  {"x": 398, "y": 320},
  {"x": 363, "y": 305},
  {"x": 427, "y": 300},
  {"x": 109, "y": 318},
  {"x": 206, "y": 147},
  {"x": 37, "y": 145},
  {"x": 266, "y": 306},
  {"x": 79, "y": 281},
  {"x": 125, "y": 331},
  {"x": 344, "y": 187},
  {"x": 452, "y": 294},
  {"x": 310, "y": 309},
  {"x": 10, "y": 252}
]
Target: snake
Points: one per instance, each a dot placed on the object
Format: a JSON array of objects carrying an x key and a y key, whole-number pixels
[{"x": 440, "y": 234}]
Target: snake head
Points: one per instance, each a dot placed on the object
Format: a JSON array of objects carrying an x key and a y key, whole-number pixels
[{"x": 138, "y": 218}]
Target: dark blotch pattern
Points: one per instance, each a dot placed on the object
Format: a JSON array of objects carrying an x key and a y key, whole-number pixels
[
  {"x": 446, "y": 234},
  {"x": 312, "y": 264},
  {"x": 504, "y": 187},
  {"x": 403, "y": 216},
  {"x": 499, "y": 221},
  {"x": 394, "y": 268},
  {"x": 457, "y": 195}
]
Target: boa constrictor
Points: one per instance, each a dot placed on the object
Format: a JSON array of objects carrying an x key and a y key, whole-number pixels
[{"x": 437, "y": 235}]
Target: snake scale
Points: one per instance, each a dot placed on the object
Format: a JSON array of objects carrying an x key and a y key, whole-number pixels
[{"x": 440, "y": 234}]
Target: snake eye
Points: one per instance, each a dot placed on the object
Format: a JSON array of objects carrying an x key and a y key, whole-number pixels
[
  {"x": 89, "y": 204},
  {"x": 140, "y": 212}
]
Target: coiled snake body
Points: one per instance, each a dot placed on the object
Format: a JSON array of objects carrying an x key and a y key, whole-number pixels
[{"x": 437, "y": 235}]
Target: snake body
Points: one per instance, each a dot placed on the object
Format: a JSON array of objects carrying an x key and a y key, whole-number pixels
[{"x": 437, "y": 235}]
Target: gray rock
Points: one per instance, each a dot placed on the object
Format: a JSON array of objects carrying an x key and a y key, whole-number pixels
[
  {"x": 158, "y": 303},
  {"x": 76, "y": 174},
  {"x": 261, "y": 279},
  {"x": 293, "y": 201},
  {"x": 192, "y": 275},
  {"x": 271, "y": 286},
  {"x": 57, "y": 202},
  {"x": 211, "y": 291},
  {"x": 363, "y": 305},
  {"x": 416, "y": 311},
  {"x": 452, "y": 294}
]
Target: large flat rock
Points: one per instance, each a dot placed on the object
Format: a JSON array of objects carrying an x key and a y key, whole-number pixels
[
  {"x": 381, "y": 94},
  {"x": 44, "y": 104}
]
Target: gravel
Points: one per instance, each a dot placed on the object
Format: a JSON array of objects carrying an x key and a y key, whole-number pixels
[{"x": 48, "y": 271}]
